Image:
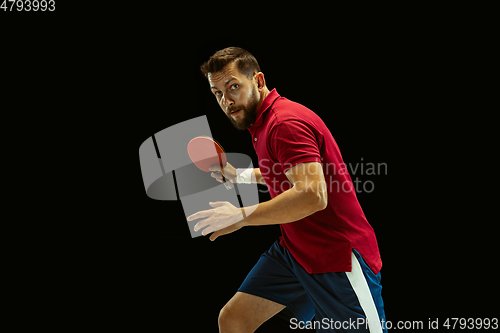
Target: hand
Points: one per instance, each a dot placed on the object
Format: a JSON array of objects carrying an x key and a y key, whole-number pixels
[
  {"x": 223, "y": 219},
  {"x": 229, "y": 172},
  {"x": 227, "y": 230}
]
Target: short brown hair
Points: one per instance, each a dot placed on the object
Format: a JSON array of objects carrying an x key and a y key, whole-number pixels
[{"x": 245, "y": 61}]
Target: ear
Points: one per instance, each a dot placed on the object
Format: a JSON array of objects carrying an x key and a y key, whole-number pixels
[{"x": 261, "y": 81}]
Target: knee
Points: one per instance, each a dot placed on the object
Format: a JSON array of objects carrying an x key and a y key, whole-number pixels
[
  {"x": 230, "y": 320},
  {"x": 227, "y": 317}
]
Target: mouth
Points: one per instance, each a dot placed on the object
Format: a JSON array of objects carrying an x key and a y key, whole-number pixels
[{"x": 235, "y": 113}]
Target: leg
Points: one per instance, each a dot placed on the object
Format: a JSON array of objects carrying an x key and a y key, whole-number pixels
[
  {"x": 348, "y": 300},
  {"x": 245, "y": 313}
]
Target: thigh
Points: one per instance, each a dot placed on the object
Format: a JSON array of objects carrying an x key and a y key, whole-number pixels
[
  {"x": 346, "y": 301},
  {"x": 250, "y": 310},
  {"x": 273, "y": 279}
]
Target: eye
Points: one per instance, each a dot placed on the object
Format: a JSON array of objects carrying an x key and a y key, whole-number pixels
[
  {"x": 234, "y": 86},
  {"x": 217, "y": 93}
]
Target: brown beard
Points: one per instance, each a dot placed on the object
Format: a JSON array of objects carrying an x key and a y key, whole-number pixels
[{"x": 249, "y": 112}]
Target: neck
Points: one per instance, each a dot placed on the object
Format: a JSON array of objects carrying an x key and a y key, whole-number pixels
[{"x": 263, "y": 95}]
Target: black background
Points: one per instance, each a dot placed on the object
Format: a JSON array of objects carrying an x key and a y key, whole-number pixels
[{"x": 104, "y": 81}]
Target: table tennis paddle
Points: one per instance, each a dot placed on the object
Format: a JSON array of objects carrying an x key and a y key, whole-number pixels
[{"x": 205, "y": 152}]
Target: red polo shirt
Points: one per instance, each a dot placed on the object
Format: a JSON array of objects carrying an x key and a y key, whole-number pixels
[{"x": 285, "y": 134}]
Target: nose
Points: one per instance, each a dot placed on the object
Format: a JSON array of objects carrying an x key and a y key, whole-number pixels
[{"x": 226, "y": 102}]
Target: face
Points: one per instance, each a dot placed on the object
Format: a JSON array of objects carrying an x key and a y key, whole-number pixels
[{"x": 237, "y": 95}]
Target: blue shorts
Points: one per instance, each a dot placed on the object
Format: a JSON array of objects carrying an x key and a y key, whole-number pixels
[{"x": 329, "y": 302}]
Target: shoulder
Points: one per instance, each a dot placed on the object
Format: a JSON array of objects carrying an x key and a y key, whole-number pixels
[{"x": 286, "y": 113}]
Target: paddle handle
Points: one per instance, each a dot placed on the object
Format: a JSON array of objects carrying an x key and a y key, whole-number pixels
[{"x": 227, "y": 183}]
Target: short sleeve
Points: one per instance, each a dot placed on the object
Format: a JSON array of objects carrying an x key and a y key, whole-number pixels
[{"x": 294, "y": 142}]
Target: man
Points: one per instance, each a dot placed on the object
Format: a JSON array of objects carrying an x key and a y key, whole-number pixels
[{"x": 326, "y": 264}]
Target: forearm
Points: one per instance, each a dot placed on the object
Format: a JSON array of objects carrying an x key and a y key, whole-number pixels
[
  {"x": 258, "y": 176},
  {"x": 290, "y": 206}
]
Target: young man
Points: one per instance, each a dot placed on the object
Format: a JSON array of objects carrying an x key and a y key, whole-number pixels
[{"x": 326, "y": 264}]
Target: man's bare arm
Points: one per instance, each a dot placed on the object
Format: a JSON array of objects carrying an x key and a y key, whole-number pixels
[
  {"x": 307, "y": 196},
  {"x": 258, "y": 176}
]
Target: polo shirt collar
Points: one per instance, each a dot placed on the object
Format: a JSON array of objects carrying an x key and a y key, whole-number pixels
[{"x": 266, "y": 104}]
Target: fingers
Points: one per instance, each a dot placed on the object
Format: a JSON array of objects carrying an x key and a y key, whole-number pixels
[
  {"x": 206, "y": 214},
  {"x": 217, "y": 232},
  {"x": 215, "y": 235},
  {"x": 200, "y": 225},
  {"x": 211, "y": 227},
  {"x": 223, "y": 232},
  {"x": 217, "y": 177},
  {"x": 218, "y": 203},
  {"x": 209, "y": 230},
  {"x": 222, "y": 216},
  {"x": 200, "y": 215},
  {"x": 215, "y": 167}
]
